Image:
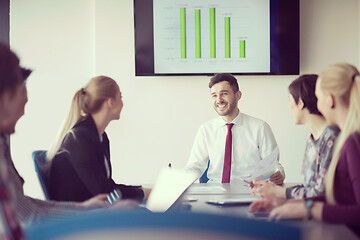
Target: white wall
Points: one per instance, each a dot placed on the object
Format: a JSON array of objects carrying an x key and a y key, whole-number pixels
[
  {"x": 56, "y": 39},
  {"x": 67, "y": 42}
]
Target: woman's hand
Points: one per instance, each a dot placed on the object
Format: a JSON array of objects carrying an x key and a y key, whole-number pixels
[
  {"x": 95, "y": 202},
  {"x": 125, "y": 204},
  {"x": 147, "y": 192},
  {"x": 266, "y": 204},
  {"x": 99, "y": 201},
  {"x": 293, "y": 210},
  {"x": 265, "y": 189}
]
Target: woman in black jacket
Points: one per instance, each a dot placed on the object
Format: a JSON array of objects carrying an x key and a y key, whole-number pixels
[{"x": 80, "y": 158}]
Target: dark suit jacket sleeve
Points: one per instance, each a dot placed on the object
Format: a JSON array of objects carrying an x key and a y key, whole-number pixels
[{"x": 88, "y": 162}]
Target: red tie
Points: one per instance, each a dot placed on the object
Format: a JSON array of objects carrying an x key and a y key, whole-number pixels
[{"x": 227, "y": 157}]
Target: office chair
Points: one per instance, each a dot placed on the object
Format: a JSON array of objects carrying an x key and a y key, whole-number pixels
[
  {"x": 138, "y": 225},
  {"x": 204, "y": 178},
  {"x": 39, "y": 158}
]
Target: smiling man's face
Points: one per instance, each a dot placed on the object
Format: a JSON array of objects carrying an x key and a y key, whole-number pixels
[{"x": 224, "y": 99}]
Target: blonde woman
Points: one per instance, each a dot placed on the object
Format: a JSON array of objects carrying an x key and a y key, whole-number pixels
[
  {"x": 338, "y": 93},
  {"x": 16, "y": 209},
  {"x": 80, "y": 158}
]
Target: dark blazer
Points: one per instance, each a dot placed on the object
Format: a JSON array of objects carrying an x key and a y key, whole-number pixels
[{"x": 78, "y": 171}]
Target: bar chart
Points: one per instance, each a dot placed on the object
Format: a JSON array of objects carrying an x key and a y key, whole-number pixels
[
  {"x": 212, "y": 31},
  {"x": 222, "y": 36}
]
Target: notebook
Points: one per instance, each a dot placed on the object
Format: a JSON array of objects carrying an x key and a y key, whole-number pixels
[{"x": 169, "y": 187}]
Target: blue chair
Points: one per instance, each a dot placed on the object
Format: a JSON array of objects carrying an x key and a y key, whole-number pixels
[
  {"x": 39, "y": 158},
  {"x": 108, "y": 225},
  {"x": 204, "y": 178}
]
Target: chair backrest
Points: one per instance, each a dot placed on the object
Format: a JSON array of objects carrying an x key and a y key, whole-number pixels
[
  {"x": 138, "y": 225},
  {"x": 39, "y": 158},
  {"x": 204, "y": 178}
]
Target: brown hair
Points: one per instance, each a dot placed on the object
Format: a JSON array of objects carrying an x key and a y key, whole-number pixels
[
  {"x": 221, "y": 77},
  {"x": 10, "y": 73},
  {"x": 304, "y": 87}
]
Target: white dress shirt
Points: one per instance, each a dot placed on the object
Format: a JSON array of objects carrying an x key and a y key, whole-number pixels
[{"x": 252, "y": 140}]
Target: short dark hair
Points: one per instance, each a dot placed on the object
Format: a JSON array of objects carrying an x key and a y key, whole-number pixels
[
  {"x": 221, "y": 77},
  {"x": 304, "y": 87},
  {"x": 11, "y": 75},
  {"x": 25, "y": 73}
]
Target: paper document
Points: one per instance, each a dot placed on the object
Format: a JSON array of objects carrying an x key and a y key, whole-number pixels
[
  {"x": 202, "y": 189},
  {"x": 266, "y": 167}
]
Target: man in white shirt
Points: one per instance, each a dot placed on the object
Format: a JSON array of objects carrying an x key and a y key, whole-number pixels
[{"x": 252, "y": 139}]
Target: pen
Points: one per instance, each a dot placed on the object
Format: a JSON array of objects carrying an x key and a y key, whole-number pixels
[{"x": 249, "y": 182}]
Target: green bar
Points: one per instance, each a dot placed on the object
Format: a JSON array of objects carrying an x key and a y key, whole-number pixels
[
  {"x": 183, "y": 32},
  {"x": 242, "y": 48},
  {"x": 227, "y": 37},
  {"x": 197, "y": 34},
  {"x": 212, "y": 33}
]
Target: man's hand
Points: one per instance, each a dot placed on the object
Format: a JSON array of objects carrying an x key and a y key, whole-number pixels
[{"x": 277, "y": 178}]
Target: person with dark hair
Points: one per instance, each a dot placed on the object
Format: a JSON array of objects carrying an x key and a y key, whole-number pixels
[
  {"x": 234, "y": 143},
  {"x": 338, "y": 93},
  {"x": 319, "y": 144},
  {"x": 16, "y": 209},
  {"x": 220, "y": 77},
  {"x": 10, "y": 78}
]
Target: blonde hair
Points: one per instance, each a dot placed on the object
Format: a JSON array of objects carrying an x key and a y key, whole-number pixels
[
  {"x": 87, "y": 100},
  {"x": 342, "y": 80}
]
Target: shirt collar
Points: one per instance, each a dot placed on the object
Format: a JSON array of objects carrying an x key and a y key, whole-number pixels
[{"x": 236, "y": 121}]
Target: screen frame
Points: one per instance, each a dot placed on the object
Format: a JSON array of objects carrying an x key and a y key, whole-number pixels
[{"x": 284, "y": 40}]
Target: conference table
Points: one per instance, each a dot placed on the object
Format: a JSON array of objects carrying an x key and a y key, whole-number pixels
[{"x": 198, "y": 193}]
